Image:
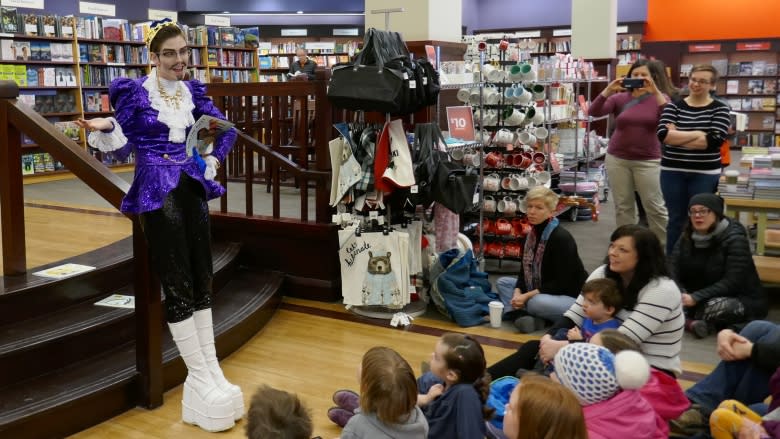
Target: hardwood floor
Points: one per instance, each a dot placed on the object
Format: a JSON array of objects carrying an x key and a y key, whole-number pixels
[{"x": 310, "y": 348}]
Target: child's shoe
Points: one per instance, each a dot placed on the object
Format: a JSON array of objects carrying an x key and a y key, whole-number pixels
[
  {"x": 339, "y": 416},
  {"x": 347, "y": 400}
]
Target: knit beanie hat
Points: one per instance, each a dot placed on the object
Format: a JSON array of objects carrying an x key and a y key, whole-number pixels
[
  {"x": 594, "y": 374},
  {"x": 710, "y": 201}
]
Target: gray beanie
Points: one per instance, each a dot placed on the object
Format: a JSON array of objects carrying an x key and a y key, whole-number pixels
[{"x": 710, "y": 201}]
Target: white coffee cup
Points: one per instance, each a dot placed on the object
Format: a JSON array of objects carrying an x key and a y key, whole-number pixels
[
  {"x": 526, "y": 138},
  {"x": 522, "y": 95},
  {"x": 464, "y": 95},
  {"x": 504, "y": 136},
  {"x": 496, "y": 313},
  {"x": 457, "y": 154},
  {"x": 515, "y": 118},
  {"x": 541, "y": 133},
  {"x": 489, "y": 204}
]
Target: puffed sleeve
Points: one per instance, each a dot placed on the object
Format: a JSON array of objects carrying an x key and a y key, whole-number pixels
[
  {"x": 123, "y": 95},
  {"x": 204, "y": 105}
]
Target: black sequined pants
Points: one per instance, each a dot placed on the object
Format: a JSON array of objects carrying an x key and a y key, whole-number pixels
[{"x": 179, "y": 239}]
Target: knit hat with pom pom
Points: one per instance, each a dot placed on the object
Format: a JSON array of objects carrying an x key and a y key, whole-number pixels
[{"x": 594, "y": 374}]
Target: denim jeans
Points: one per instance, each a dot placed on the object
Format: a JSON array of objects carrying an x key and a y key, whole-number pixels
[
  {"x": 547, "y": 306},
  {"x": 739, "y": 380},
  {"x": 678, "y": 187}
]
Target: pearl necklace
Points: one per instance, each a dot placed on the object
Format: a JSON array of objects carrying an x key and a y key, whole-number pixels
[{"x": 171, "y": 101}]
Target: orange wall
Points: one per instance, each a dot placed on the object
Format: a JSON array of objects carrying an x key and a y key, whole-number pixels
[{"x": 681, "y": 20}]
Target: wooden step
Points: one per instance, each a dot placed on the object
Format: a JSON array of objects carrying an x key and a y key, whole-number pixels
[{"x": 68, "y": 399}]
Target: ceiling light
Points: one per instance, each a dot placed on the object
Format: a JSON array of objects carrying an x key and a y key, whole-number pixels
[
  {"x": 225, "y": 12},
  {"x": 299, "y": 12}
]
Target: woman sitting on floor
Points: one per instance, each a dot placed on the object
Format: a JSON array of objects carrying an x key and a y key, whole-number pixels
[
  {"x": 652, "y": 311},
  {"x": 713, "y": 265}
]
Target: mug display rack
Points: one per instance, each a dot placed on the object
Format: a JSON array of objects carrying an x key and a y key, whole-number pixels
[{"x": 515, "y": 114}]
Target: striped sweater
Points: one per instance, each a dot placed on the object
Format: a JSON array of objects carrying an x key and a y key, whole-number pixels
[
  {"x": 713, "y": 119},
  {"x": 656, "y": 322}
]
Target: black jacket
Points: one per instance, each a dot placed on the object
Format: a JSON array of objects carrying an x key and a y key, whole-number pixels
[
  {"x": 562, "y": 270},
  {"x": 724, "y": 269}
]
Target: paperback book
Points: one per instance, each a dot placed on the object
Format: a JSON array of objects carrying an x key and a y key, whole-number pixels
[{"x": 63, "y": 271}]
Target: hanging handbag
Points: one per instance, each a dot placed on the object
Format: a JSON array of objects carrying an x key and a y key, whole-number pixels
[
  {"x": 452, "y": 184},
  {"x": 368, "y": 84}
]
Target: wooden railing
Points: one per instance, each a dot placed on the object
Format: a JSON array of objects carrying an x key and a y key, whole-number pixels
[{"x": 277, "y": 134}]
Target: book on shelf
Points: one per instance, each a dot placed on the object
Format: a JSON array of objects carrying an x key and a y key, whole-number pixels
[
  {"x": 27, "y": 164},
  {"x": 756, "y": 104},
  {"x": 746, "y": 68},
  {"x": 48, "y": 23},
  {"x": 10, "y": 20},
  {"x": 733, "y": 69},
  {"x": 7, "y": 50},
  {"x": 759, "y": 67},
  {"x": 721, "y": 66},
  {"x": 114, "y": 29},
  {"x": 746, "y": 104},
  {"x": 29, "y": 24},
  {"x": 767, "y": 104},
  {"x": 770, "y": 87},
  {"x": 768, "y": 122},
  {"x": 67, "y": 26},
  {"x": 732, "y": 86},
  {"x": 70, "y": 129},
  {"x": 755, "y": 86},
  {"x": 21, "y": 50},
  {"x": 771, "y": 69}
]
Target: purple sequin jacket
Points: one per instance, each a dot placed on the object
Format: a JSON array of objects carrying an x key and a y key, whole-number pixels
[{"x": 158, "y": 162}]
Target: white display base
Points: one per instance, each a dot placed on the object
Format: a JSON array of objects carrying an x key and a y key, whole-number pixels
[{"x": 413, "y": 309}]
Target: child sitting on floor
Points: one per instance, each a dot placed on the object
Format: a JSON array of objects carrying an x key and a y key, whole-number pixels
[
  {"x": 453, "y": 393},
  {"x": 277, "y": 414},
  {"x": 602, "y": 300}
]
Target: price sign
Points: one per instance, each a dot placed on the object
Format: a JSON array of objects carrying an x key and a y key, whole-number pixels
[{"x": 460, "y": 122}]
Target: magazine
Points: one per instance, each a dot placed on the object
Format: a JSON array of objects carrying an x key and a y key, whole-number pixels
[
  {"x": 64, "y": 270},
  {"x": 203, "y": 133},
  {"x": 117, "y": 301}
]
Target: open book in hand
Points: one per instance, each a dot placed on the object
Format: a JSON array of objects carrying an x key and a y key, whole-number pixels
[{"x": 204, "y": 132}]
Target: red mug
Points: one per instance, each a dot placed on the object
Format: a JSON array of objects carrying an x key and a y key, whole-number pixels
[
  {"x": 539, "y": 158},
  {"x": 503, "y": 227},
  {"x": 494, "y": 159},
  {"x": 513, "y": 250},
  {"x": 503, "y": 45},
  {"x": 482, "y": 46}
]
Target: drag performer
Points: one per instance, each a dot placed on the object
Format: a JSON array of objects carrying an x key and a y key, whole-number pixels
[{"x": 169, "y": 193}]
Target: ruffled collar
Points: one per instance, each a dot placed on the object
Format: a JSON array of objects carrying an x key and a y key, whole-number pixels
[{"x": 177, "y": 119}]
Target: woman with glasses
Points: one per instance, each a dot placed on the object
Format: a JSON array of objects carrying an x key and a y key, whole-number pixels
[
  {"x": 169, "y": 193},
  {"x": 713, "y": 265},
  {"x": 692, "y": 131},
  {"x": 633, "y": 158}
]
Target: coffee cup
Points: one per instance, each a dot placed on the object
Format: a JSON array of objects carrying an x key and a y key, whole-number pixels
[
  {"x": 503, "y": 45},
  {"x": 472, "y": 158},
  {"x": 482, "y": 46},
  {"x": 457, "y": 154},
  {"x": 527, "y": 138},
  {"x": 491, "y": 183},
  {"x": 496, "y": 313},
  {"x": 517, "y": 182},
  {"x": 504, "y": 136},
  {"x": 489, "y": 204},
  {"x": 514, "y": 117},
  {"x": 515, "y": 73},
  {"x": 464, "y": 95},
  {"x": 538, "y": 92},
  {"x": 507, "y": 205},
  {"x": 541, "y": 133}
]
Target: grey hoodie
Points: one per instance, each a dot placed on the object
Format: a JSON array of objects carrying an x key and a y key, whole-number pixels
[{"x": 367, "y": 426}]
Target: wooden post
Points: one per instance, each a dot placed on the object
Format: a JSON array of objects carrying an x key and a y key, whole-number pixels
[
  {"x": 11, "y": 190},
  {"x": 148, "y": 323}
]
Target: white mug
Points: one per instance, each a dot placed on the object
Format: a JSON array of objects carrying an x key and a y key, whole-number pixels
[
  {"x": 522, "y": 95},
  {"x": 527, "y": 138},
  {"x": 541, "y": 133},
  {"x": 517, "y": 182},
  {"x": 515, "y": 118},
  {"x": 464, "y": 95},
  {"x": 508, "y": 205},
  {"x": 504, "y": 136},
  {"x": 457, "y": 154},
  {"x": 472, "y": 158},
  {"x": 489, "y": 203},
  {"x": 491, "y": 182}
]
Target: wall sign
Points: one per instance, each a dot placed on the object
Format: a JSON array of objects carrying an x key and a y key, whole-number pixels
[
  {"x": 561, "y": 32},
  {"x": 97, "y": 9},
  {"x": 159, "y": 14},
  {"x": 759, "y": 45},
  {"x": 32, "y": 4},
  {"x": 320, "y": 45},
  {"x": 528, "y": 34},
  {"x": 622, "y": 29},
  {"x": 703, "y": 48},
  {"x": 349, "y": 32},
  {"x": 294, "y": 32},
  {"x": 216, "y": 20}
]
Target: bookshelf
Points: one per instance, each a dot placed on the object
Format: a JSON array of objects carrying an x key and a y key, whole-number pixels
[
  {"x": 277, "y": 54},
  {"x": 748, "y": 80},
  {"x": 226, "y": 52}
]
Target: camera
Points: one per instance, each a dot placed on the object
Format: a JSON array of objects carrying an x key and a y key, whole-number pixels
[{"x": 632, "y": 83}]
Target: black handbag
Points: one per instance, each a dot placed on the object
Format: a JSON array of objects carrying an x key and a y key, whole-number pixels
[
  {"x": 373, "y": 82},
  {"x": 452, "y": 185}
]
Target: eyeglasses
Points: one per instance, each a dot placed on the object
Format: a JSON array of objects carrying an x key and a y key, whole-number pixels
[
  {"x": 172, "y": 54},
  {"x": 699, "y": 81},
  {"x": 699, "y": 212}
]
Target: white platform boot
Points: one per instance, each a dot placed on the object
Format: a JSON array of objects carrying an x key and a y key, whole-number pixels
[
  {"x": 205, "y": 326},
  {"x": 203, "y": 403}
]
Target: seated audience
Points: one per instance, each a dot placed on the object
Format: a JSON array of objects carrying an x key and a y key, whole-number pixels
[
  {"x": 748, "y": 361},
  {"x": 542, "y": 408},
  {"x": 606, "y": 386},
  {"x": 652, "y": 312},
  {"x": 713, "y": 265},
  {"x": 601, "y": 301},
  {"x": 552, "y": 272}
]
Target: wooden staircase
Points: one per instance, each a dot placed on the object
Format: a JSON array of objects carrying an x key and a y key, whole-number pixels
[{"x": 68, "y": 364}]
